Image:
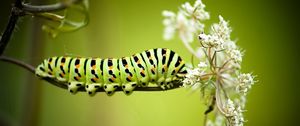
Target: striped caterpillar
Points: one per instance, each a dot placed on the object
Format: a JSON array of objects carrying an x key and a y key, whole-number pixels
[{"x": 160, "y": 67}]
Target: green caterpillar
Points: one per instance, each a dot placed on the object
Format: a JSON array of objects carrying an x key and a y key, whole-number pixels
[{"x": 159, "y": 66}]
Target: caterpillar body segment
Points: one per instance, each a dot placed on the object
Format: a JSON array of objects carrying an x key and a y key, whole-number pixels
[
  {"x": 94, "y": 75},
  {"x": 128, "y": 76},
  {"x": 112, "y": 75},
  {"x": 159, "y": 66},
  {"x": 77, "y": 77}
]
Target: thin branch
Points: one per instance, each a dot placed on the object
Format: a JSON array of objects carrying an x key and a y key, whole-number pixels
[
  {"x": 13, "y": 18},
  {"x": 18, "y": 63},
  {"x": 82, "y": 89},
  {"x": 222, "y": 67},
  {"x": 49, "y": 8}
]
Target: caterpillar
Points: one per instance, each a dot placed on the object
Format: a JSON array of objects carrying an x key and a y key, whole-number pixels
[{"x": 159, "y": 66}]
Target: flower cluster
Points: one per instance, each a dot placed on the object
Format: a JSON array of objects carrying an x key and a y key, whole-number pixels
[
  {"x": 220, "y": 59},
  {"x": 245, "y": 82},
  {"x": 186, "y": 22},
  {"x": 218, "y": 37},
  {"x": 193, "y": 79},
  {"x": 233, "y": 113}
]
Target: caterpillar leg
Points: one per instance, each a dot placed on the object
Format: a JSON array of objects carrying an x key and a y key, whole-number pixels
[
  {"x": 128, "y": 87},
  {"x": 92, "y": 88},
  {"x": 73, "y": 86},
  {"x": 110, "y": 88},
  {"x": 60, "y": 79},
  {"x": 165, "y": 83},
  {"x": 161, "y": 83},
  {"x": 168, "y": 83}
]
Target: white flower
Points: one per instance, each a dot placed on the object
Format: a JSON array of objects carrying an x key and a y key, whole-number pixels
[
  {"x": 202, "y": 65},
  {"x": 235, "y": 55},
  {"x": 219, "y": 36},
  {"x": 229, "y": 108},
  {"x": 168, "y": 13},
  {"x": 210, "y": 40},
  {"x": 169, "y": 33},
  {"x": 229, "y": 45},
  {"x": 185, "y": 29},
  {"x": 222, "y": 29},
  {"x": 193, "y": 77},
  {"x": 186, "y": 21},
  {"x": 241, "y": 101},
  {"x": 188, "y": 8},
  {"x": 246, "y": 78},
  {"x": 197, "y": 11},
  {"x": 233, "y": 113},
  {"x": 245, "y": 82},
  {"x": 169, "y": 23}
]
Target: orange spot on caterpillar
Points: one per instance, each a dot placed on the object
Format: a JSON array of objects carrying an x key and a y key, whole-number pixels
[
  {"x": 165, "y": 67},
  {"x": 77, "y": 77},
  {"x": 138, "y": 62},
  {"x": 126, "y": 66},
  {"x": 62, "y": 74},
  {"x": 94, "y": 67},
  {"x": 94, "y": 79},
  {"x": 153, "y": 68},
  {"x": 110, "y": 67},
  {"x": 77, "y": 66}
]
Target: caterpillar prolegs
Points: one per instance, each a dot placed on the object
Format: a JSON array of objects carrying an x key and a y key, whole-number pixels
[{"x": 160, "y": 67}]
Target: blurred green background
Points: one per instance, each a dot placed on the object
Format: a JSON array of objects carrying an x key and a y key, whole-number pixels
[{"x": 267, "y": 29}]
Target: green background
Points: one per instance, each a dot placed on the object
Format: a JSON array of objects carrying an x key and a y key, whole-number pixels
[{"x": 267, "y": 29}]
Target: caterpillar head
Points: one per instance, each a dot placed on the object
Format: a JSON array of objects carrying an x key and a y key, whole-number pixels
[{"x": 41, "y": 71}]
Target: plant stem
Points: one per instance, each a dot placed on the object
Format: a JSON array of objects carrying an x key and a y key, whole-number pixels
[
  {"x": 49, "y": 8},
  {"x": 219, "y": 99},
  {"x": 18, "y": 63},
  {"x": 13, "y": 18}
]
